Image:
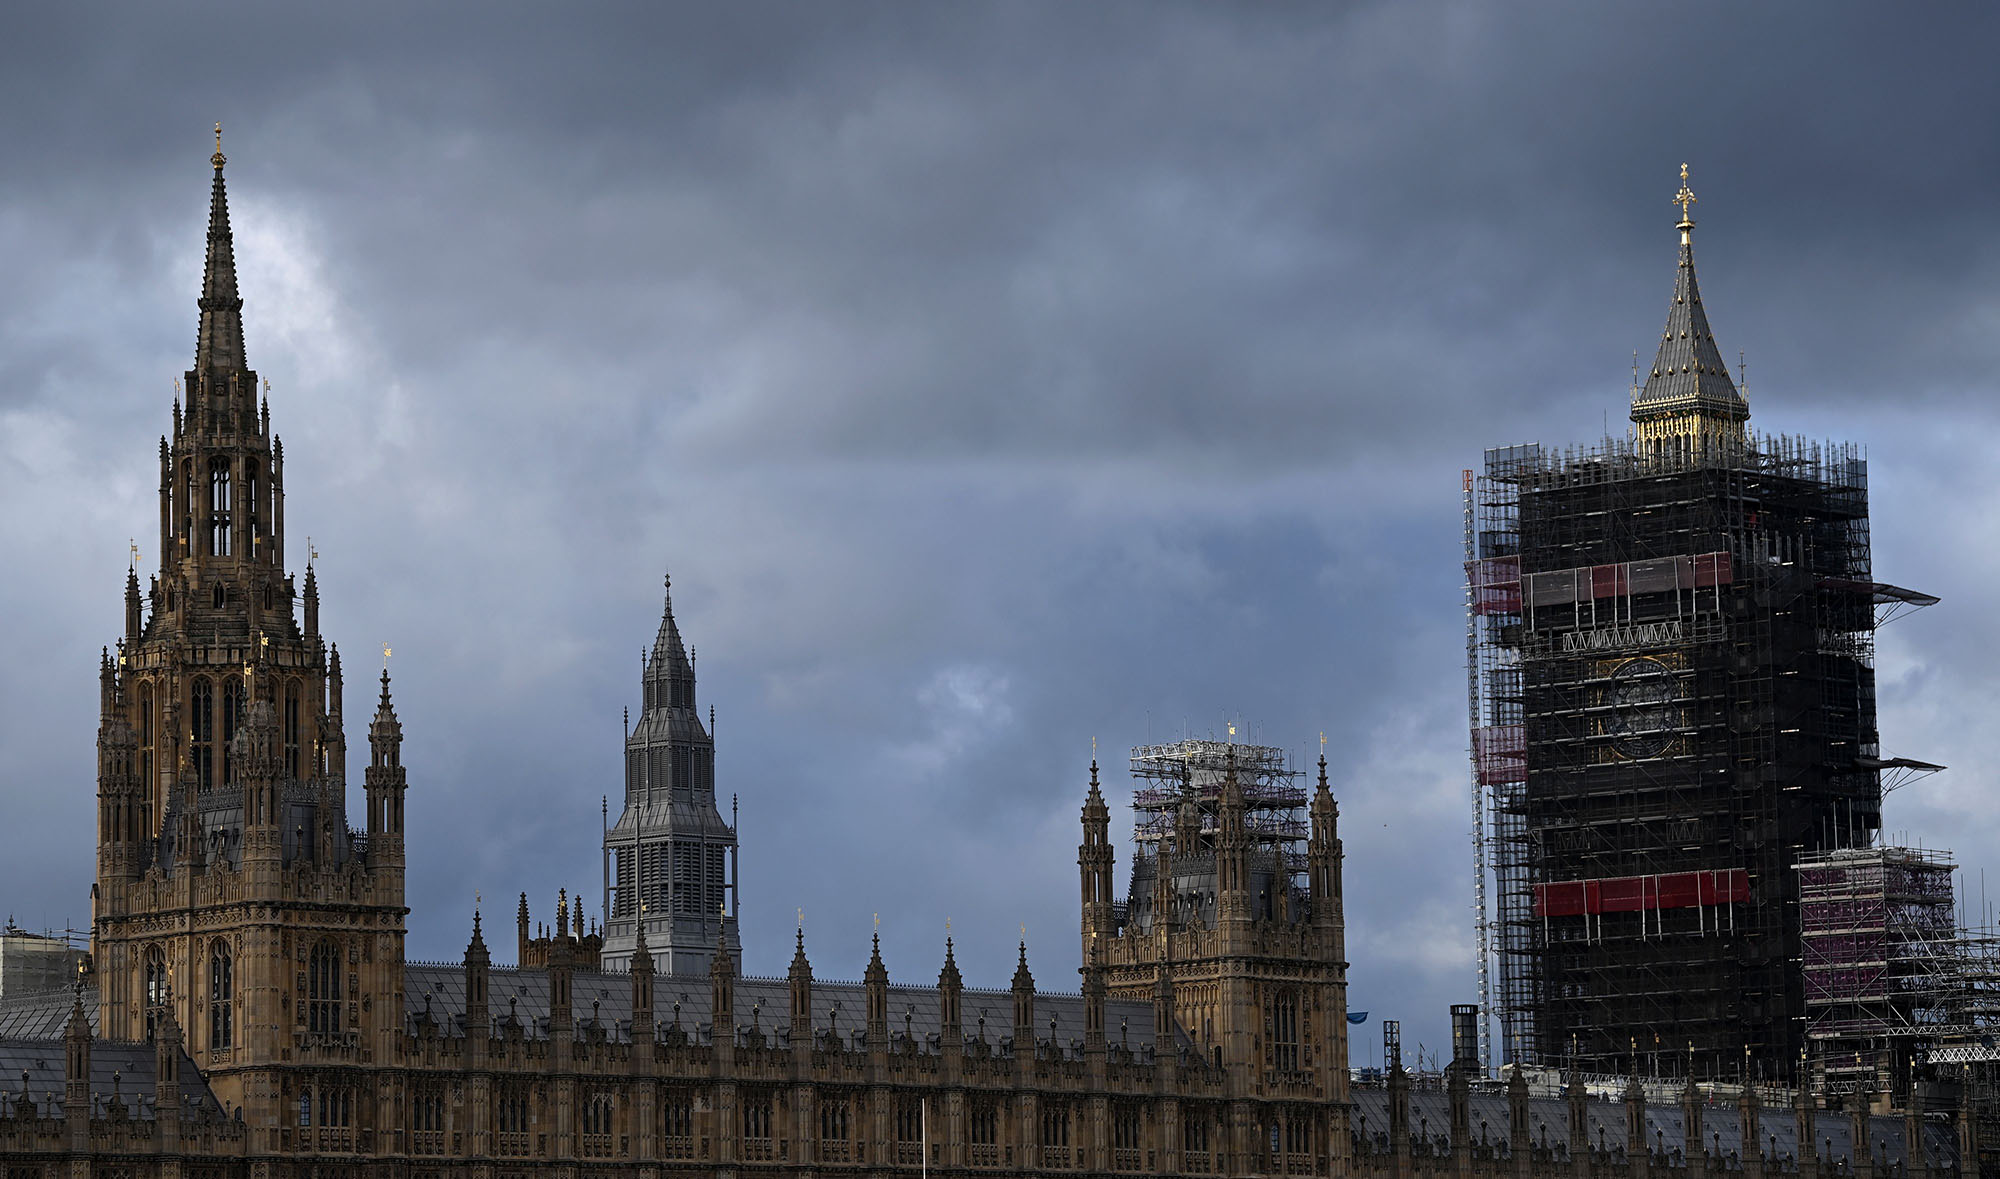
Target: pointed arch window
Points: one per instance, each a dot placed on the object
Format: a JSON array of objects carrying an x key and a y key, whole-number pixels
[
  {"x": 253, "y": 488},
  {"x": 187, "y": 507},
  {"x": 232, "y": 715},
  {"x": 146, "y": 739},
  {"x": 201, "y": 732},
  {"x": 221, "y": 996},
  {"x": 156, "y": 988},
  {"x": 323, "y": 991},
  {"x": 293, "y": 694},
  {"x": 218, "y": 507},
  {"x": 1284, "y": 1030}
]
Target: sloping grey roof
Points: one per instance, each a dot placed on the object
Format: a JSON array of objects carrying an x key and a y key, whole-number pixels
[
  {"x": 122, "y": 1070},
  {"x": 42, "y": 1016},
  {"x": 762, "y": 1004},
  {"x": 1689, "y": 367},
  {"x": 1548, "y": 1126}
]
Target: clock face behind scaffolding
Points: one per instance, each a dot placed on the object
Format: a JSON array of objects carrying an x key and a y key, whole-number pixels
[{"x": 1645, "y": 708}]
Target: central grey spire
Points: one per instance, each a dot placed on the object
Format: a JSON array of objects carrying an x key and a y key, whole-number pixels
[{"x": 673, "y": 852}]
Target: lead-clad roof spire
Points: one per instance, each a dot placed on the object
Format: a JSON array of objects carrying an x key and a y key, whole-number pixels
[
  {"x": 219, "y": 340},
  {"x": 668, "y": 644},
  {"x": 1689, "y": 374}
]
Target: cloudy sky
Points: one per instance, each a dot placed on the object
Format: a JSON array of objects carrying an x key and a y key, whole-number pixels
[{"x": 991, "y": 378}]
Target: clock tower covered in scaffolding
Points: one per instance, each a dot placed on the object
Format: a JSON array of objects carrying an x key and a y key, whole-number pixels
[{"x": 1670, "y": 639}]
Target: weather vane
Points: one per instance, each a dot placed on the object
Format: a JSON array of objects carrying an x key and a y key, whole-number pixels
[
  {"x": 385, "y": 657},
  {"x": 133, "y": 544}
]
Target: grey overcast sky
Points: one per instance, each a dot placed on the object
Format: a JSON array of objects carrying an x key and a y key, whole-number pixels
[{"x": 990, "y": 377}]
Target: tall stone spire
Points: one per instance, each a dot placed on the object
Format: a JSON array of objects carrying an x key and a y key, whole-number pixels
[
  {"x": 1688, "y": 394},
  {"x": 219, "y": 341}
]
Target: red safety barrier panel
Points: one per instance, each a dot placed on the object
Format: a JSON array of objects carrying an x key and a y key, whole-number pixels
[{"x": 1634, "y": 894}]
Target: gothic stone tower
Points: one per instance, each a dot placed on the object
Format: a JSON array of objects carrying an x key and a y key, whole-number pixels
[
  {"x": 1222, "y": 936},
  {"x": 673, "y": 858},
  {"x": 230, "y": 891}
]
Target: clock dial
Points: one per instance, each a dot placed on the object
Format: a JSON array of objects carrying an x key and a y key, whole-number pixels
[{"x": 1645, "y": 708}]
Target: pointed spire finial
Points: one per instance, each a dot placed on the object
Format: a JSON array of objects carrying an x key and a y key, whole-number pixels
[
  {"x": 218, "y": 159},
  {"x": 1684, "y": 198}
]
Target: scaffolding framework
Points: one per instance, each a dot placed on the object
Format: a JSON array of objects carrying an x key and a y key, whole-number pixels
[
  {"x": 1889, "y": 975},
  {"x": 1671, "y": 688},
  {"x": 1192, "y": 772}
]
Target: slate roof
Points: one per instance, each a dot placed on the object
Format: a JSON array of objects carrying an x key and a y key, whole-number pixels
[
  {"x": 763, "y": 1004},
  {"x": 1689, "y": 369},
  {"x": 1548, "y": 1123},
  {"x": 121, "y": 1070},
  {"x": 41, "y": 1016}
]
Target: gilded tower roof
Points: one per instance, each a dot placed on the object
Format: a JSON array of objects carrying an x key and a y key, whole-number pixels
[{"x": 1689, "y": 373}]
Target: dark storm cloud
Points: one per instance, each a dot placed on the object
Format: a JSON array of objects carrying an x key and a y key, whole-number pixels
[{"x": 992, "y": 378}]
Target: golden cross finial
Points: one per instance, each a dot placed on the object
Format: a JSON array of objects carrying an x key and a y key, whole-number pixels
[
  {"x": 217, "y": 158},
  {"x": 1685, "y": 196}
]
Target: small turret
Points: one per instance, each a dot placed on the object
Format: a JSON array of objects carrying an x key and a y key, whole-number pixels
[
  {"x": 722, "y": 999},
  {"x": 562, "y": 1001},
  {"x": 134, "y": 606},
  {"x": 1024, "y": 1007},
  {"x": 385, "y": 777},
  {"x": 521, "y": 953},
  {"x": 167, "y": 1073},
  {"x": 1095, "y": 862},
  {"x": 876, "y": 983},
  {"x": 800, "y": 976},
  {"x": 478, "y": 1010},
  {"x": 642, "y": 995},
  {"x": 951, "y": 990},
  {"x": 76, "y": 1071},
  {"x": 311, "y": 606}
]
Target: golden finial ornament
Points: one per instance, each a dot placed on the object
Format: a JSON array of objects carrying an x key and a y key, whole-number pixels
[
  {"x": 1684, "y": 198},
  {"x": 385, "y": 657},
  {"x": 218, "y": 159}
]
